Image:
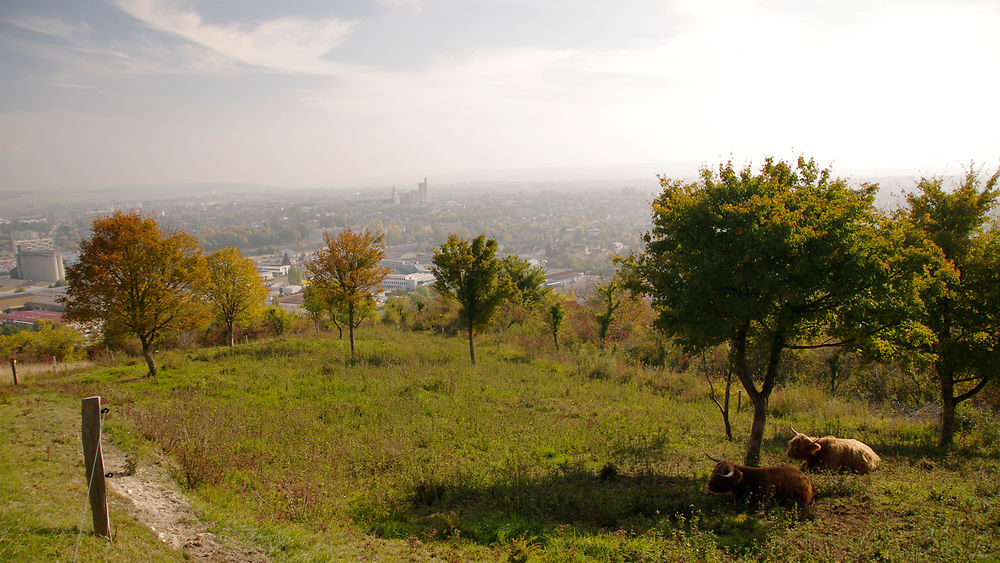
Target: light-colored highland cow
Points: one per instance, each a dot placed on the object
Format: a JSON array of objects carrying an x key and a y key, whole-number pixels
[
  {"x": 756, "y": 484},
  {"x": 833, "y": 454}
]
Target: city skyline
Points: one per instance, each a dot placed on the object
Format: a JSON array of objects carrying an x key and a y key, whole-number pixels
[{"x": 338, "y": 94}]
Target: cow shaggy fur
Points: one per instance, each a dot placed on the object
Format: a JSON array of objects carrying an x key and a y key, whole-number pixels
[
  {"x": 781, "y": 482},
  {"x": 833, "y": 454}
]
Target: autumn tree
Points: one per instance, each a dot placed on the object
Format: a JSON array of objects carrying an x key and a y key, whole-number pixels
[
  {"x": 961, "y": 289},
  {"x": 470, "y": 273},
  {"x": 314, "y": 305},
  {"x": 135, "y": 279},
  {"x": 783, "y": 258},
  {"x": 235, "y": 292},
  {"x": 348, "y": 275}
]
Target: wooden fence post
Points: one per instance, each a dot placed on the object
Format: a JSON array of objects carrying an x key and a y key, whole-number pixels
[
  {"x": 94, "y": 461},
  {"x": 13, "y": 369}
]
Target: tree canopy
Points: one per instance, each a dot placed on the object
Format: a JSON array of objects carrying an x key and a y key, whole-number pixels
[
  {"x": 785, "y": 257},
  {"x": 235, "y": 290},
  {"x": 960, "y": 292},
  {"x": 527, "y": 281},
  {"x": 470, "y": 273},
  {"x": 348, "y": 275},
  {"x": 135, "y": 279}
]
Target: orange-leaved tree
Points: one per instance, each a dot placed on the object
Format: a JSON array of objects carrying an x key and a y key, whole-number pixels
[
  {"x": 347, "y": 273},
  {"x": 133, "y": 278}
]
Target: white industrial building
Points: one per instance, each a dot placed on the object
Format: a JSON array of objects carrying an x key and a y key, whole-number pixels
[{"x": 407, "y": 282}]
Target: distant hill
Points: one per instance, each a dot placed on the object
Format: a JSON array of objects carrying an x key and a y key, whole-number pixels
[{"x": 28, "y": 202}]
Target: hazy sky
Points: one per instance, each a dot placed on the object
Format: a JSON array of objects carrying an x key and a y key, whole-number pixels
[{"x": 334, "y": 93}]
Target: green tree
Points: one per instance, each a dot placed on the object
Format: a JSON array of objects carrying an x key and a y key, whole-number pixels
[
  {"x": 526, "y": 290},
  {"x": 470, "y": 273},
  {"x": 235, "y": 292},
  {"x": 554, "y": 319},
  {"x": 348, "y": 274},
  {"x": 397, "y": 311},
  {"x": 294, "y": 276},
  {"x": 314, "y": 303},
  {"x": 961, "y": 289},
  {"x": 527, "y": 281},
  {"x": 780, "y": 259},
  {"x": 277, "y": 320},
  {"x": 607, "y": 301},
  {"x": 135, "y": 279}
]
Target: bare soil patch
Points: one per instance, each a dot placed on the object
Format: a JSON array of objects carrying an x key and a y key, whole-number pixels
[{"x": 157, "y": 502}]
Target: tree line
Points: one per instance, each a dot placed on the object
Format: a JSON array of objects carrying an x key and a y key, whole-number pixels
[
  {"x": 788, "y": 257},
  {"x": 747, "y": 266}
]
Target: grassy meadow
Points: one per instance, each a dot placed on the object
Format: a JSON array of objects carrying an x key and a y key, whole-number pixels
[{"x": 409, "y": 453}]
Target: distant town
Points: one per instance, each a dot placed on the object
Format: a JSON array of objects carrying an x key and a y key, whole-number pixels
[{"x": 573, "y": 235}]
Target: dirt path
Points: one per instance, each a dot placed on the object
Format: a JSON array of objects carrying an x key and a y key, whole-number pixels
[{"x": 158, "y": 503}]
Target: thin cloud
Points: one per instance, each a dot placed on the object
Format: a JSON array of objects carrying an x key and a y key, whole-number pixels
[
  {"x": 71, "y": 32},
  {"x": 72, "y": 86},
  {"x": 411, "y": 4},
  {"x": 295, "y": 45}
]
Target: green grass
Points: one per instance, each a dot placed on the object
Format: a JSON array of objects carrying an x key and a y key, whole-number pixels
[{"x": 408, "y": 452}]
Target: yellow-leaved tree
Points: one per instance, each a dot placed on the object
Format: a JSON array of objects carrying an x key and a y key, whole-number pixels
[{"x": 235, "y": 291}]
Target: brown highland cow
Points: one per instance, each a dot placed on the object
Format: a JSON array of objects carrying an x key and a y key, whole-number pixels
[
  {"x": 834, "y": 454},
  {"x": 781, "y": 482}
]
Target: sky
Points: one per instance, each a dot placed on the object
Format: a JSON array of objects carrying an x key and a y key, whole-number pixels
[{"x": 332, "y": 93}]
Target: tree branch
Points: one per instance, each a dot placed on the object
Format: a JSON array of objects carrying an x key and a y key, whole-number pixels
[
  {"x": 979, "y": 387},
  {"x": 820, "y": 345}
]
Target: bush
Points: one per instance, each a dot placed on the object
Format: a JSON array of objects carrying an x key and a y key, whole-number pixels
[
  {"x": 45, "y": 342},
  {"x": 278, "y": 321}
]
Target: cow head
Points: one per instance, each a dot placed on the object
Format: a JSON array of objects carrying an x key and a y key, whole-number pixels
[
  {"x": 725, "y": 477},
  {"x": 802, "y": 446}
]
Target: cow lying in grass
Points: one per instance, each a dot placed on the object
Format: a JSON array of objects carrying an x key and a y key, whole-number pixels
[
  {"x": 781, "y": 482},
  {"x": 834, "y": 454}
]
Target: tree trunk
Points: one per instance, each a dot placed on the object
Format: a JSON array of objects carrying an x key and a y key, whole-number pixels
[
  {"x": 232, "y": 341},
  {"x": 756, "y": 437},
  {"x": 758, "y": 398},
  {"x": 472, "y": 346},
  {"x": 350, "y": 327},
  {"x": 833, "y": 362},
  {"x": 725, "y": 407},
  {"x": 555, "y": 339},
  {"x": 147, "y": 353},
  {"x": 946, "y": 431}
]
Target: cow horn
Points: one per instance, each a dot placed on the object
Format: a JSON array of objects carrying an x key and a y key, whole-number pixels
[
  {"x": 712, "y": 458},
  {"x": 732, "y": 470},
  {"x": 796, "y": 432}
]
